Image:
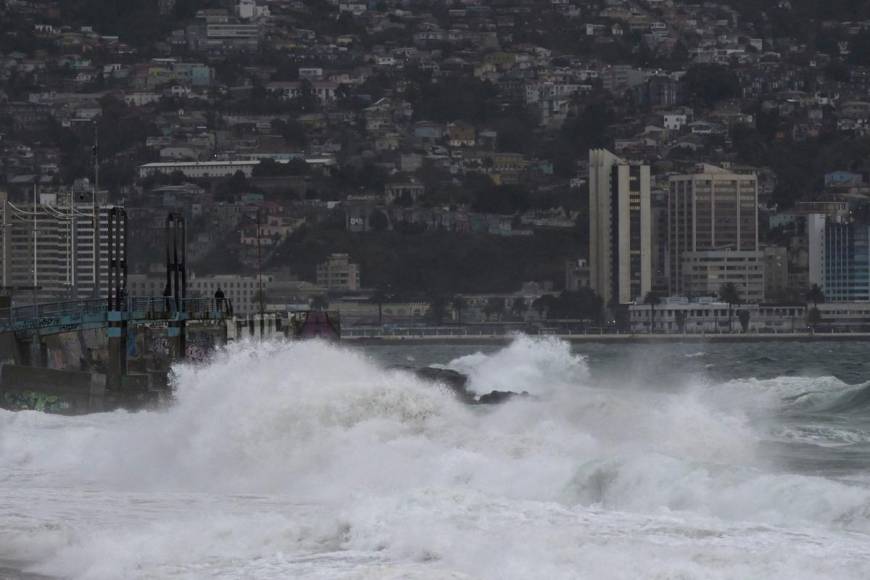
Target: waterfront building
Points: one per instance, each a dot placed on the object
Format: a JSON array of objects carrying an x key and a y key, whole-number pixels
[
  {"x": 705, "y": 272},
  {"x": 844, "y": 316},
  {"x": 839, "y": 258},
  {"x": 712, "y": 210},
  {"x": 677, "y": 315},
  {"x": 620, "y": 229}
]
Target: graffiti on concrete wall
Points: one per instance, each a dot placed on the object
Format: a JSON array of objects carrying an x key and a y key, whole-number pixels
[
  {"x": 153, "y": 342},
  {"x": 160, "y": 345},
  {"x": 63, "y": 351},
  {"x": 199, "y": 345},
  {"x": 35, "y": 401}
]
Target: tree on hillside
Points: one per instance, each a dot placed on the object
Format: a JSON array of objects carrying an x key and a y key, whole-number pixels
[
  {"x": 378, "y": 221},
  {"x": 498, "y": 199},
  {"x": 452, "y": 98},
  {"x": 730, "y": 294},
  {"x": 470, "y": 263},
  {"x": 271, "y": 168},
  {"x": 230, "y": 187},
  {"x": 589, "y": 128},
  {"x": 707, "y": 84},
  {"x": 136, "y": 22},
  {"x": 859, "y": 49},
  {"x": 580, "y": 304},
  {"x": 292, "y": 131}
]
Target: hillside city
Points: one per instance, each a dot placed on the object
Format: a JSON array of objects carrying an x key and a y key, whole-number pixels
[{"x": 592, "y": 165}]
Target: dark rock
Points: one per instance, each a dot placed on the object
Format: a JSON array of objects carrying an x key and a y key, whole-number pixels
[
  {"x": 458, "y": 383},
  {"x": 496, "y": 397},
  {"x": 448, "y": 376},
  {"x": 455, "y": 381}
]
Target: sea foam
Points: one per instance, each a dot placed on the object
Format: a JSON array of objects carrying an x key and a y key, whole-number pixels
[{"x": 311, "y": 460}]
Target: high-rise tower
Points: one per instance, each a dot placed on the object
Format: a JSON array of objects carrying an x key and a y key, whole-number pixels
[{"x": 620, "y": 230}]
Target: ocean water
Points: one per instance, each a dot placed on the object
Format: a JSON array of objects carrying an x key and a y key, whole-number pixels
[{"x": 310, "y": 460}]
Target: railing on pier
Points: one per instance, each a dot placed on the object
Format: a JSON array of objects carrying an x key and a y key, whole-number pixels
[
  {"x": 75, "y": 314},
  {"x": 53, "y": 314},
  {"x": 162, "y": 308}
]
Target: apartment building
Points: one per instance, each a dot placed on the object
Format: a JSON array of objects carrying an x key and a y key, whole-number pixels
[
  {"x": 713, "y": 217},
  {"x": 620, "y": 228},
  {"x": 338, "y": 273},
  {"x": 49, "y": 248}
]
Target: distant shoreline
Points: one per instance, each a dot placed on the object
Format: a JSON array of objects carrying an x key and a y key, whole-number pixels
[{"x": 613, "y": 338}]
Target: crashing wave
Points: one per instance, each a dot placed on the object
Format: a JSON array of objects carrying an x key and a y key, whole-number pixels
[{"x": 307, "y": 458}]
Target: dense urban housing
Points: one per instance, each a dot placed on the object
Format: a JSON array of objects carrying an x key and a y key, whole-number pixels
[{"x": 515, "y": 162}]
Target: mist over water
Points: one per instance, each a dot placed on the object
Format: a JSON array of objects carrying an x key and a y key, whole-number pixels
[{"x": 309, "y": 460}]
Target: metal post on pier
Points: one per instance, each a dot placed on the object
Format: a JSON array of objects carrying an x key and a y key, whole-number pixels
[
  {"x": 117, "y": 314},
  {"x": 176, "y": 284}
]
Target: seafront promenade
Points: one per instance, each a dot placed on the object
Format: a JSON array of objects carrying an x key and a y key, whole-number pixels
[{"x": 424, "y": 335}]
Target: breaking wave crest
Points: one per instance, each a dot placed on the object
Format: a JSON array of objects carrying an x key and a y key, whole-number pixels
[
  {"x": 824, "y": 394},
  {"x": 308, "y": 458},
  {"x": 855, "y": 400},
  {"x": 538, "y": 366}
]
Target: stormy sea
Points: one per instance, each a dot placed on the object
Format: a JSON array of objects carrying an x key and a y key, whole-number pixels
[{"x": 313, "y": 460}]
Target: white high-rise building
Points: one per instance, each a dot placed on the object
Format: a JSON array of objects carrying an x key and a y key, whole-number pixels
[
  {"x": 47, "y": 249},
  {"x": 620, "y": 228}
]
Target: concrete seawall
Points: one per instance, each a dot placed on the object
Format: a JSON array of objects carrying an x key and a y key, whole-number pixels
[{"x": 71, "y": 392}]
